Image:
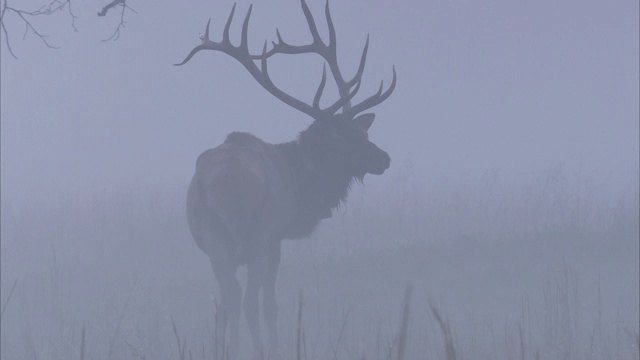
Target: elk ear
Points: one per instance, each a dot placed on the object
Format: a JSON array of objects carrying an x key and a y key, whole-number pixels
[{"x": 364, "y": 121}]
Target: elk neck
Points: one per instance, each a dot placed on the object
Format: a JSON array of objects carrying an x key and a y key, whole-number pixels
[{"x": 318, "y": 187}]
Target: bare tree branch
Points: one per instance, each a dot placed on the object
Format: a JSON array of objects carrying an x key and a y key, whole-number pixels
[
  {"x": 53, "y": 7},
  {"x": 6, "y": 36},
  {"x": 116, "y": 34},
  {"x": 109, "y": 6}
]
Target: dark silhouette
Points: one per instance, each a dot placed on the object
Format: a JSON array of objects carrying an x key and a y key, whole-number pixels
[{"x": 248, "y": 195}]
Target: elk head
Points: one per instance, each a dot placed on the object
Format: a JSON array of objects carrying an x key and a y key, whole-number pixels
[
  {"x": 342, "y": 146},
  {"x": 337, "y": 140}
]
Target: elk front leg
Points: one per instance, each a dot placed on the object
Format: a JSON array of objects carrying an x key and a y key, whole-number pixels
[
  {"x": 255, "y": 278},
  {"x": 269, "y": 303}
]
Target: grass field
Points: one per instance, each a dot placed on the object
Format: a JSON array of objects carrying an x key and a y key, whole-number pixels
[{"x": 544, "y": 268}]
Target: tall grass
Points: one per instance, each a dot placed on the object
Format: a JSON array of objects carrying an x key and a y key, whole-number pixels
[{"x": 546, "y": 268}]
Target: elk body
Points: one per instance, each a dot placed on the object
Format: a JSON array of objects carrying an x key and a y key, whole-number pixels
[{"x": 248, "y": 195}]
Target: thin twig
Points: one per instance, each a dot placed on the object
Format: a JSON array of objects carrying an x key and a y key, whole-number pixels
[
  {"x": 26, "y": 16},
  {"x": 299, "y": 337},
  {"x": 404, "y": 326},
  {"x": 446, "y": 330},
  {"x": 181, "y": 345},
  {"x": 82, "y": 345},
  {"x": 109, "y": 6},
  {"x": 391, "y": 346},
  {"x": 115, "y": 335},
  {"x": 6, "y": 36},
  {"x": 344, "y": 323},
  {"x": 4, "y": 307},
  {"x": 121, "y": 25}
]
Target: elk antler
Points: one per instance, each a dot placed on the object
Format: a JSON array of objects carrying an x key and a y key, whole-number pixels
[{"x": 347, "y": 89}]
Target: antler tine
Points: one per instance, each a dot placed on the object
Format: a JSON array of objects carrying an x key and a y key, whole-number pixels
[
  {"x": 244, "y": 43},
  {"x": 316, "y": 99},
  {"x": 227, "y": 26},
  {"x": 332, "y": 58},
  {"x": 312, "y": 24},
  {"x": 343, "y": 100},
  {"x": 318, "y": 46},
  {"x": 375, "y": 99},
  {"x": 332, "y": 30},
  {"x": 347, "y": 89},
  {"x": 205, "y": 43},
  {"x": 241, "y": 53},
  {"x": 266, "y": 82},
  {"x": 363, "y": 59},
  {"x": 205, "y": 37}
]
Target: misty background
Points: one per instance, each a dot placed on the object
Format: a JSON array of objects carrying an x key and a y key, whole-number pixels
[{"x": 513, "y": 133}]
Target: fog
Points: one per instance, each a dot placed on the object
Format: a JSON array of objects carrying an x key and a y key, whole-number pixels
[{"x": 511, "y": 204}]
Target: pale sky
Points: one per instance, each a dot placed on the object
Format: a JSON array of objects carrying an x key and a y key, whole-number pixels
[{"x": 513, "y": 86}]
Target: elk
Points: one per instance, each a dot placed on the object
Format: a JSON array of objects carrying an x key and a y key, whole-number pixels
[{"x": 248, "y": 195}]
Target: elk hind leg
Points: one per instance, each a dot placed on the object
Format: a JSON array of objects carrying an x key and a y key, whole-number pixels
[{"x": 228, "y": 313}]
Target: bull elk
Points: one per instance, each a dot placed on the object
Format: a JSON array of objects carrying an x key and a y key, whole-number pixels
[{"x": 248, "y": 195}]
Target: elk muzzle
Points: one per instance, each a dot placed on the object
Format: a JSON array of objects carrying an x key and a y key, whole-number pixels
[{"x": 379, "y": 160}]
